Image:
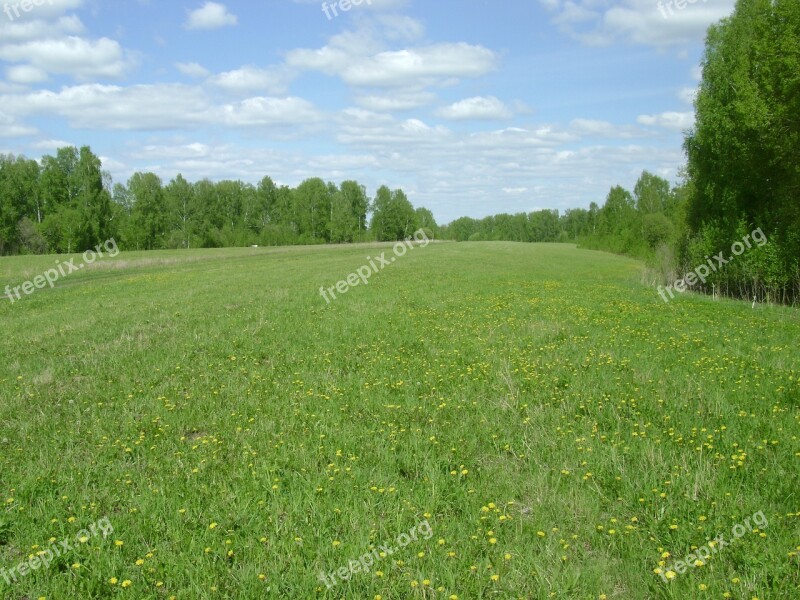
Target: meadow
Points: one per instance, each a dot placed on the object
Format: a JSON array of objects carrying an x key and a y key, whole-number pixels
[{"x": 485, "y": 420}]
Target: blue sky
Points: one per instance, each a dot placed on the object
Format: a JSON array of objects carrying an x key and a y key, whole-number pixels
[{"x": 472, "y": 107}]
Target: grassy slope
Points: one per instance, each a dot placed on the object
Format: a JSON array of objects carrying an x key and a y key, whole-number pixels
[{"x": 219, "y": 383}]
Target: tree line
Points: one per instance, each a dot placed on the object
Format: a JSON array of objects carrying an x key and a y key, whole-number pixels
[{"x": 66, "y": 203}]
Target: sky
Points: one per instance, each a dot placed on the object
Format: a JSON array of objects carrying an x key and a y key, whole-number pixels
[{"x": 472, "y": 107}]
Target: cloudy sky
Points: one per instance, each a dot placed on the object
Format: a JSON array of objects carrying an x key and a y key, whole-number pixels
[{"x": 473, "y": 107}]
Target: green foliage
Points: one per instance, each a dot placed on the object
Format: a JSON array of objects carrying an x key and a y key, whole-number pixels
[
  {"x": 30, "y": 240},
  {"x": 657, "y": 229},
  {"x": 69, "y": 204},
  {"x": 149, "y": 218},
  {"x": 652, "y": 194},
  {"x": 393, "y": 216},
  {"x": 744, "y": 153}
]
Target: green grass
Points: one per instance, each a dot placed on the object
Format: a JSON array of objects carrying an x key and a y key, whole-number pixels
[{"x": 535, "y": 396}]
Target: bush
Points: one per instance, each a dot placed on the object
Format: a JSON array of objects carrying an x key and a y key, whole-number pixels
[
  {"x": 31, "y": 241},
  {"x": 657, "y": 229}
]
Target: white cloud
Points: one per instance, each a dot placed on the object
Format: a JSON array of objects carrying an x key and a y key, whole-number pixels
[
  {"x": 396, "y": 101},
  {"x": 80, "y": 58},
  {"x": 477, "y": 108},
  {"x": 252, "y": 79},
  {"x": 10, "y": 127},
  {"x": 212, "y": 15},
  {"x": 38, "y": 10},
  {"x": 649, "y": 22},
  {"x": 261, "y": 111},
  {"x": 26, "y": 74},
  {"x": 421, "y": 66},
  {"x": 604, "y": 129},
  {"x": 157, "y": 107},
  {"x": 669, "y": 120},
  {"x": 50, "y": 144},
  {"x": 12, "y": 32},
  {"x": 192, "y": 69}
]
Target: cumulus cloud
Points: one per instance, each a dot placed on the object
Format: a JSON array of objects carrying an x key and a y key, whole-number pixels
[
  {"x": 649, "y": 22},
  {"x": 212, "y": 15},
  {"x": 75, "y": 56},
  {"x": 597, "y": 128},
  {"x": 247, "y": 79},
  {"x": 192, "y": 69},
  {"x": 157, "y": 107},
  {"x": 13, "y": 32},
  {"x": 669, "y": 120},
  {"x": 353, "y": 57},
  {"x": 399, "y": 101},
  {"x": 26, "y": 74},
  {"x": 421, "y": 66},
  {"x": 10, "y": 127},
  {"x": 477, "y": 108}
]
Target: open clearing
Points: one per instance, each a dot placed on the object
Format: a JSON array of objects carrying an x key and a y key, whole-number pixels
[{"x": 555, "y": 423}]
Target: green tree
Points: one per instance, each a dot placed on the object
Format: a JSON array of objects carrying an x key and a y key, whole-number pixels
[
  {"x": 356, "y": 195},
  {"x": 181, "y": 208},
  {"x": 651, "y": 193},
  {"x": 744, "y": 150},
  {"x": 425, "y": 219},
  {"x": 92, "y": 200},
  {"x": 19, "y": 199},
  {"x": 149, "y": 211},
  {"x": 393, "y": 216},
  {"x": 343, "y": 221},
  {"x": 313, "y": 209}
]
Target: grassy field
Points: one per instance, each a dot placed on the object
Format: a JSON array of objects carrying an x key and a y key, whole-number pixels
[{"x": 543, "y": 424}]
